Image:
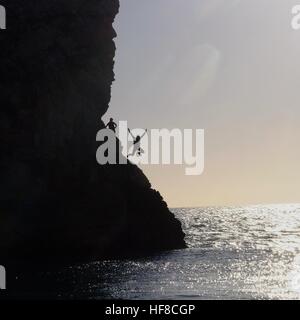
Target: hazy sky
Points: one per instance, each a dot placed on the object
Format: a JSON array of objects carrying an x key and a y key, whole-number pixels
[{"x": 230, "y": 67}]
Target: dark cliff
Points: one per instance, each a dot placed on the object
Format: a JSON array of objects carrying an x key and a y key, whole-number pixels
[{"x": 56, "y": 202}]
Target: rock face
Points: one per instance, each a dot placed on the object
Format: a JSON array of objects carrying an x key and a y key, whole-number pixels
[{"x": 56, "y": 202}]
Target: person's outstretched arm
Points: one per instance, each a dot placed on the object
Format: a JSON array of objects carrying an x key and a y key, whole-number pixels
[
  {"x": 131, "y": 134},
  {"x": 144, "y": 133}
]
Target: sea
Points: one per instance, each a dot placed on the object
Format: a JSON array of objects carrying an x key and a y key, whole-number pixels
[{"x": 234, "y": 253}]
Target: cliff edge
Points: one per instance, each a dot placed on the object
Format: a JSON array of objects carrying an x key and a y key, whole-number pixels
[{"x": 56, "y": 202}]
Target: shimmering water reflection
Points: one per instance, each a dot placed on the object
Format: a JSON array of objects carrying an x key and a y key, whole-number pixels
[{"x": 234, "y": 253}]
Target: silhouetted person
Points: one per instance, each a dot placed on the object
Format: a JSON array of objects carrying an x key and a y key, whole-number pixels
[
  {"x": 136, "y": 144},
  {"x": 111, "y": 125}
]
